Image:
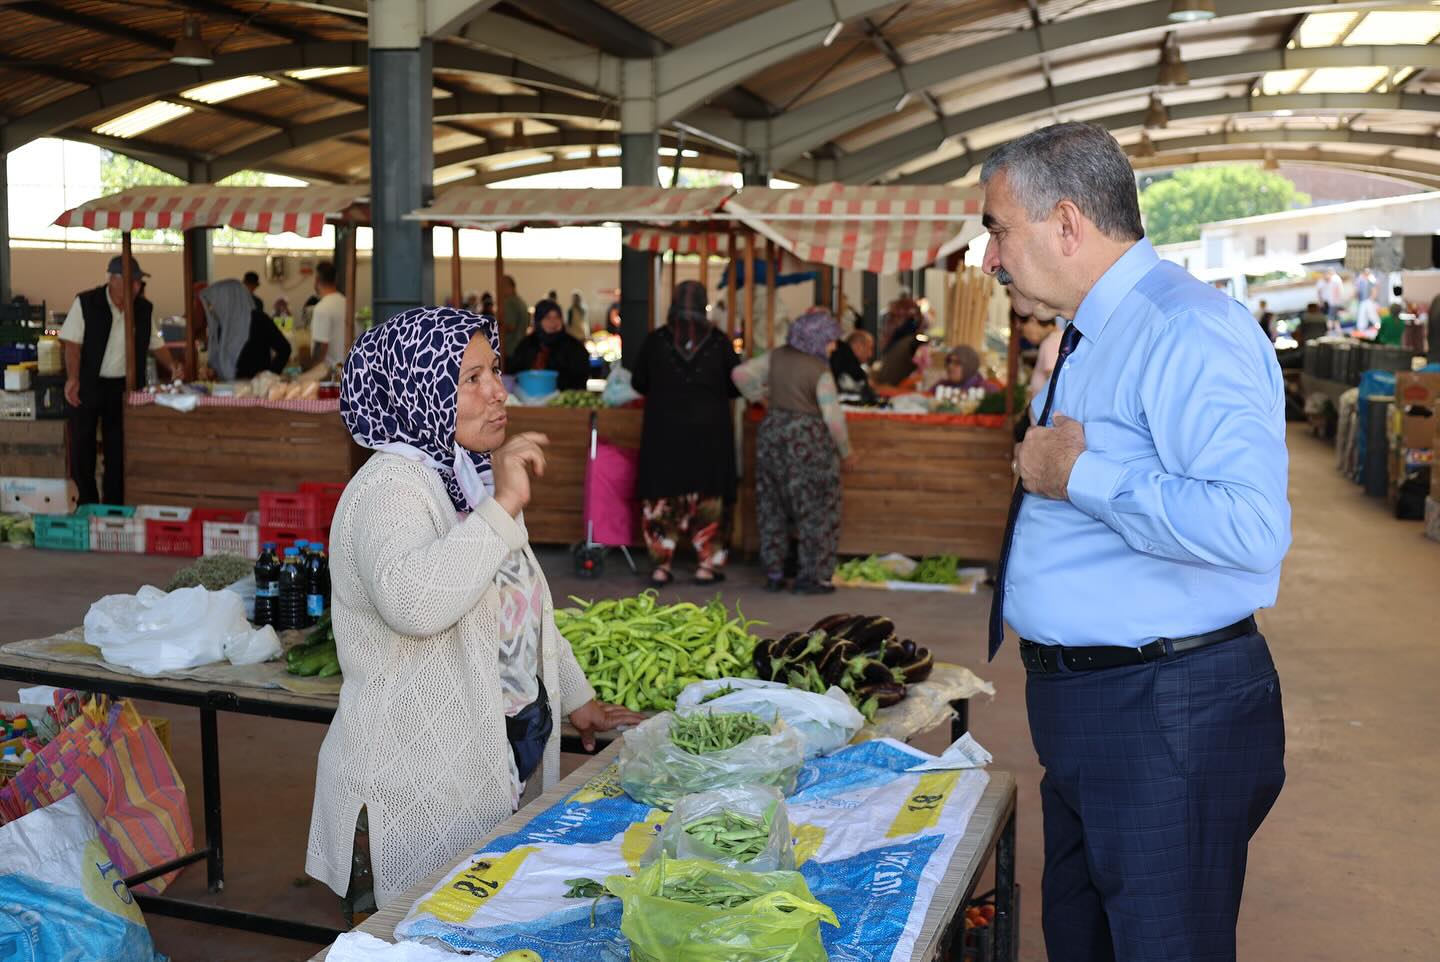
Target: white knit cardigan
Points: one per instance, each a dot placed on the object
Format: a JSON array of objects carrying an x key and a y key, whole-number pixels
[{"x": 419, "y": 737}]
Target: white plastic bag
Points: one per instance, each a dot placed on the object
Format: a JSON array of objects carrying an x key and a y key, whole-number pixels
[
  {"x": 153, "y": 631},
  {"x": 618, "y": 390},
  {"x": 61, "y": 895},
  {"x": 253, "y": 647},
  {"x": 754, "y": 801},
  {"x": 656, "y": 771},
  {"x": 825, "y": 723}
]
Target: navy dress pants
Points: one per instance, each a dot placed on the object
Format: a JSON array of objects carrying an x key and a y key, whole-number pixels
[{"x": 1156, "y": 777}]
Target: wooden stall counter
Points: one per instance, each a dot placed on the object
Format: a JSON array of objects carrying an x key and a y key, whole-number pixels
[
  {"x": 225, "y": 452},
  {"x": 33, "y": 449},
  {"x": 923, "y": 485},
  {"x": 556, "y": 511}
]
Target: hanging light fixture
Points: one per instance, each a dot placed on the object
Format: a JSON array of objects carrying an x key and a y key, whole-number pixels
[
  {"x": 190, "y": 50},
  {"x": 517, "y": 135},
  {"x": 1156, "y": 116},
  {"x": 1190, "y": 11},
  {"x": 1270, "y": 162},
  {"x": 1173, "y": 72},
  {"x": 1146, "y": 147}
]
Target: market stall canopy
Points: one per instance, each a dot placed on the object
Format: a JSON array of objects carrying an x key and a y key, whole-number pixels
[
  {"x": 508, "y": 209},
  {"x": 880, "y": 229},
  {"x": 267, "y": 210}
]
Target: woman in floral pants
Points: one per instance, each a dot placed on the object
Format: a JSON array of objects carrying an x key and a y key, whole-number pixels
[{"x": 801, "y": 447}]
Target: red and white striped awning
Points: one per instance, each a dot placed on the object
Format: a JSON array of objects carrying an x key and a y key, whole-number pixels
[
  {"x": 267, "y": 210},
  {"x": 498, "y": 208},
  {"x": 881, "y": 229}
]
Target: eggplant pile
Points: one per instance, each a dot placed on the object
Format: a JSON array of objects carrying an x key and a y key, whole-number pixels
[{"x": 858, "y": 653}]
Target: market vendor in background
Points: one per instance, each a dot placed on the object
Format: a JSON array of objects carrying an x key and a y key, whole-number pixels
[
  {"x": 800, "y": 449},
  {"x": 1392, "y": 326},
  {"x": 903, "y": 365},
  {"x": 1313, "y": 324},
  {"x": 514, "y": 316},
  {"x": 687, "y": 444},
  {"x": 962, "y": 369},
  {"x": 94, "y": 338},
  {"x": 247, "y": 341},
  {"x": 549, "y": 347},
  {"x": 327, "y": 324},
  {"x": 455, "y": 677},
  {"x": 849, "y": 363},
  {"x": 577, "y": 317},
  {"x": 251, "y": 280}
]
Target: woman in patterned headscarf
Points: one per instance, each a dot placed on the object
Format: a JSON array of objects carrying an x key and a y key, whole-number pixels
[
  {"x": 443, "y": 620},
  {"x": 801, "y": 447}
]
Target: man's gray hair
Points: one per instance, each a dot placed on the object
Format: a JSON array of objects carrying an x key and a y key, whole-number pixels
[{"x": 1081, "y": 163}]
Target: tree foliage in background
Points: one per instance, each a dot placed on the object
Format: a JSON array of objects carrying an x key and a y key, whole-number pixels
[
  {"x": 118, "y": 172},
  {"x": 1175, "y": 208}
]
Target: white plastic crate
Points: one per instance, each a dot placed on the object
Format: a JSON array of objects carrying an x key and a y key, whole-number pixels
[
  {"x": 121, "y": 535},
  {"x": 221, "y": 537},
  {"x": 160, "y": 512},
  {"x": 17, "y": 405}
]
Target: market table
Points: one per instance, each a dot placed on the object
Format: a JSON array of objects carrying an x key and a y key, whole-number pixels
[
  {"x": 228, "y": 450},
  {"x": 923, "y": 484},
  {"x": 989, "y": 836}
]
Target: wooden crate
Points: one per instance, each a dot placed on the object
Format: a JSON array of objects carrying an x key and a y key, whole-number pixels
[
  {"x": 918, "y": 489},
  {"x": 218, "y": 457},
  {"x": 33, "y": 449}
]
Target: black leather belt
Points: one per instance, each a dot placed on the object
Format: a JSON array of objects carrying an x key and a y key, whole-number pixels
[{"x": 1044, "y": 659}]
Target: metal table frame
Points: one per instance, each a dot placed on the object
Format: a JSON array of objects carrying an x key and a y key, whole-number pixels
[{"x": 210, "y": 702}]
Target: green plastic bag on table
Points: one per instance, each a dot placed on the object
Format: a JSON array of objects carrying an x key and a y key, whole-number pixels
[
  {"x": 655, "y": 771},
  {"x": 779, "y": 922}
]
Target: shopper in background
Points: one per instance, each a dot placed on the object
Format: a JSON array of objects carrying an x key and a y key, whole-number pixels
[
  {"x": 265, "y": 349},
  {"x": 94, "y": 341},
  {"x": 487, "y": 304},
  {"x": 1313, "y": 324},
  {"x": 612, "y": 319},
  {"x": 252, "y": 284},
  {"x": 443, "y": 620},
  {"x": 549, "y": 347},
  {"x": 1334, "y": 293},
  {"x": 1149, "y": 524},
  {"x": 281, "y": 308},
  {"x": 687, "y": 444},
  {"x": 514, "y": 316},
  {"x": 800, "y": 449},
  {"x": 849, "y": 365},
  {"x": 577, "y": 318},
  {"x": 327, "y": 324},
  {"x": 1391, "y": 329}
]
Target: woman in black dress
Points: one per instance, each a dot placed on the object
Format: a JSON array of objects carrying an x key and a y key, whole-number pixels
[{"x": 687, "y": 447}]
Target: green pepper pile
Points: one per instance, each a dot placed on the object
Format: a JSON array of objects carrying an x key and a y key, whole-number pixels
[
  {"x": 317, "y": 657},
  {"x": 935, "y": 570},
  {"x": 732, "y": 835},
  {"x": 641, "y": 654},
  {"x": 700, "y": 733},
  {"x": 576, "y": 399}
]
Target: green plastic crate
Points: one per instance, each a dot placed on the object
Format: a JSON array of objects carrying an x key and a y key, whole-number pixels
[
  {"x": 62, "y": 532},
  {"x": 105, "y": 511}
]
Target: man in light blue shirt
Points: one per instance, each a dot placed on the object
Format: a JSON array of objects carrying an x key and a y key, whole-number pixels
[{"x": 1149, "y": 526}]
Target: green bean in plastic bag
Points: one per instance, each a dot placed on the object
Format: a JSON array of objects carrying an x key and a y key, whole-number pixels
[
  {"x": 656, "y": 771},
  {"x": 772, "y": 916}
]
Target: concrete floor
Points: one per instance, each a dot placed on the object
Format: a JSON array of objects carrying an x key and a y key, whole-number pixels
[{"x": 1344, "y": 868}]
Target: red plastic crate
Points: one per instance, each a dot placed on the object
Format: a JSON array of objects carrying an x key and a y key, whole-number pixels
[
  {"x": 287, "y": 509},
  {"x": 327, "y": 497},
  {"x": 222, "y": 515},
  {"x": 181, "y": 539},
  {"x": 284, "y": 537}
]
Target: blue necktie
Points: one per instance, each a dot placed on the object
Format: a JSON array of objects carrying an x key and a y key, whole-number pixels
[{"x": 1068, "y": 342}]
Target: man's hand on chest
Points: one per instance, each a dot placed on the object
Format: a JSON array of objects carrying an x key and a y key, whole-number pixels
[{"x": 1047, "y": 455}]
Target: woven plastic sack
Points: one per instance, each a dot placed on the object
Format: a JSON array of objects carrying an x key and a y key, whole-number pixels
[
  {"x": 825, "y": 723},
  {"x": 655, "y": 771},
  {"x": 752, "y": 800},
  {"x": 61, "y": 896},
  {"x": 781, "y": 923}
]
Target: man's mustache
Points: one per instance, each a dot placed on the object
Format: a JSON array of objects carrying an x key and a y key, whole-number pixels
[{"x": 1003, "y": 276}]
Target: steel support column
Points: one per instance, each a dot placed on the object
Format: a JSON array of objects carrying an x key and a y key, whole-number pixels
[
  {"x": 401, "y": 157},
  {"x": 6, "y": 285},
  {"x": 755, "y": 170},
  {"x": 870, "y": 303},
  {"x": 638, "y": 157}
]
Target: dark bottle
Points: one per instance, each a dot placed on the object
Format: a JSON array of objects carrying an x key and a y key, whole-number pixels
[
  {"x": 317, "y": 570},
  {"x": 290, "y": 607},
  {"x": 267, "y": 585},
  {"x": 303, "y": 546}
]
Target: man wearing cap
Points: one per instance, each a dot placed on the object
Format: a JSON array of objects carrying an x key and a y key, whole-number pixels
[{"x": 94, "y": 339}]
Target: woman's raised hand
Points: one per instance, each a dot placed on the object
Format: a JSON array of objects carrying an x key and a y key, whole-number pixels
[{"x": 513, "y": 462}]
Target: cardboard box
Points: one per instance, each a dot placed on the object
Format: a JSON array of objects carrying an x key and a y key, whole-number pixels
[
  {"x": 1418, "y": 387},
  {"x": 37, "y": 495}
]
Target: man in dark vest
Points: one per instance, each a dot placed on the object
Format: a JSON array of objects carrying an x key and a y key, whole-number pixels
[{"x": 94, "y": 339}]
